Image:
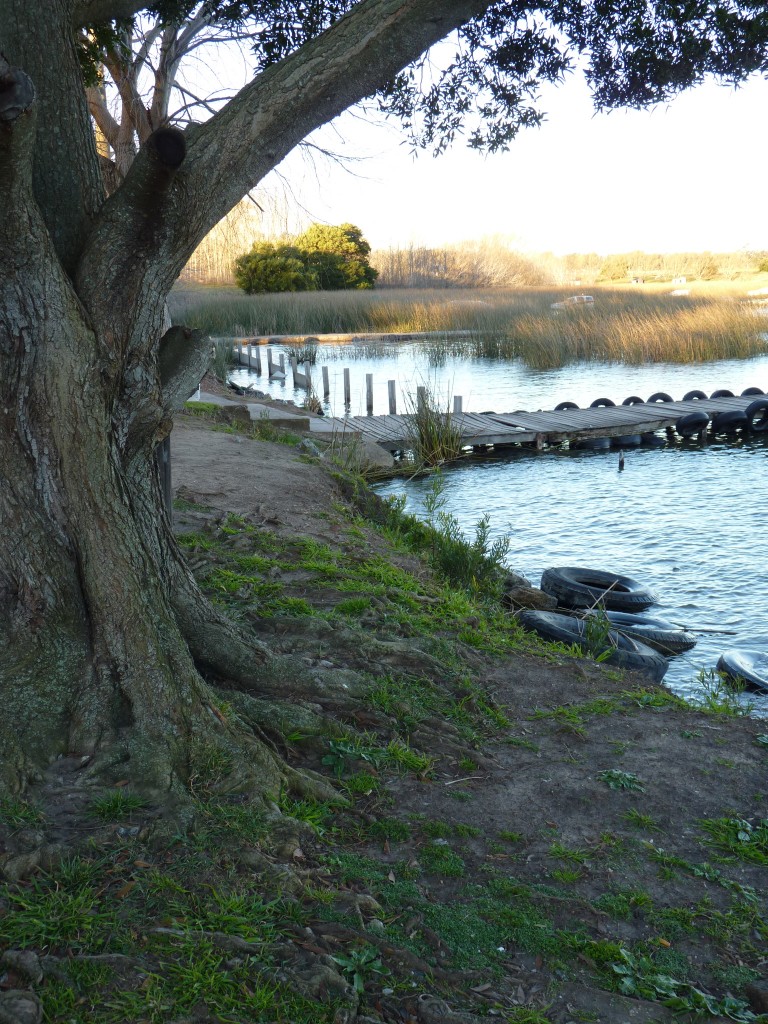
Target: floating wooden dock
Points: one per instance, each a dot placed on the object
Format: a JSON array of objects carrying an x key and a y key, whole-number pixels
[{"x": 539, "y": 429}]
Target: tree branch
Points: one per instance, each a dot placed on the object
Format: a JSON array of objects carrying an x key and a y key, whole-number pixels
[
  {"x": 184, "y": 357},
  {"x": 96, "y": 12},
  {"x": 240, "y": 144}
]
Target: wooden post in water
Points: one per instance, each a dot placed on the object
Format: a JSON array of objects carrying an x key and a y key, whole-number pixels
[
  {"x": 282, "y": 363},
  {"x": 270, "y": 364},
  {"x": 421, "y": 398},
  {"x": 347, "y": 390},
  {"x": 392, "y": 398},
  {"x": 457, "y": 404},
  {"x": 254, "y": 358},
  {"x": 295, "y": 369},
  {"x": 369, "y": 393},
  {"x": 308, "y": 378},
  {"x": 242, "y": 356},
  {"x": 326, "y": 383}
]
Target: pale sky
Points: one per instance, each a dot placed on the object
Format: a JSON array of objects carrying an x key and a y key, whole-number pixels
[{"x": 689, "y": 176}]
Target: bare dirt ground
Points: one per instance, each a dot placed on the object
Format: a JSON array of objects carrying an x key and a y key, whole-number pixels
[{"x": 623, "y": 857}]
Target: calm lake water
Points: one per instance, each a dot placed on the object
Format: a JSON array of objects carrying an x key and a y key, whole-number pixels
[{"x": 687, "y": 521}]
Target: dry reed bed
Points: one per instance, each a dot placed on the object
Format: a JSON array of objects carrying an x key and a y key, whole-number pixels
[{"x": 623, "y": 325}]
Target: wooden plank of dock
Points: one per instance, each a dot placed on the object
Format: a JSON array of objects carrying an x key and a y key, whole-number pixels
[{"x": 486, "y": 429}]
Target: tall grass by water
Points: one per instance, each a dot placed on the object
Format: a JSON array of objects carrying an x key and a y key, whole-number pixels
[{"x": 627, "y": 325}]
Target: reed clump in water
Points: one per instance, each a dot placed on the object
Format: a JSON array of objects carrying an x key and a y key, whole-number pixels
[{"x": 433, "y": 435}]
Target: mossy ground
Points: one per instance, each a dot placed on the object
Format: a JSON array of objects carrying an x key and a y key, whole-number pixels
[{"x": 528, "y": 837}]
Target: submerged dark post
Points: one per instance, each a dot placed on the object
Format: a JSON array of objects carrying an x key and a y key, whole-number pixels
[
  {"x": 347, "y": 390},
  {"x": 369, "y": 393},
  {"x": 392, "y": 398}
]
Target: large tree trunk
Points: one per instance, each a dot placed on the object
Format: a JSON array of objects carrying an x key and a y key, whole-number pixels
[
  {"x": 103, "y": 631},
  {"x": 95, "y": 599}
]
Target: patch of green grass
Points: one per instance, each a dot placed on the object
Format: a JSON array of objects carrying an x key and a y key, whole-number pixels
[
  {"x": 390, "y": 828},
  {"x": 639, "y": 820},
  {"x": 510, "y": 836},
  {"x": 567, "y": 875},
  {"x": 436, "y": 829},
  {"x": 441, "y": 860},
  {"x": 467, "y": 831},
  {"x": 361, "y": 784},
  {"x": 314, "y": 813},
  {"x": 561, "y": 852},
  {"x": 18, "y": 813},
  {"x": 116, "y": 806},
  {"x": 353, "y": 606},
  {"x": 621, "y": 904},
  {"x": 742, "y": 839}
]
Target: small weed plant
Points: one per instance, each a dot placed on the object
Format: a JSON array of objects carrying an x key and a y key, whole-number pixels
[
  {"x": 477, "y": 565},
  {"x": 640, "y": 978},
  {"x": 615, "y": 778},
  {"x": 720, "y": 698}
]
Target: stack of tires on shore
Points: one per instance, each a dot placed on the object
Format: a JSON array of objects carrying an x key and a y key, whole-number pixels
[{"x": 634, "y": 641}]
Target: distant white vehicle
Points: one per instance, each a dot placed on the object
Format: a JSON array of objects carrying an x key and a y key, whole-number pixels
[{"x": 574, "y": 300}]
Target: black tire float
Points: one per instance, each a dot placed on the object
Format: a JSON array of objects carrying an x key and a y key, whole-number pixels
[
  {"x": 633, "y": 400},
  {"x": 722, "y": 393},
  {"x": 625, "y": 653},
  {"x": 747, "y": 668},
  {"x": 565, "y": 405},
  {"x": 694, "y": 396},
  {"x": 653, "y": 440},
  {"x": 574, "y": 587},
  {"x": 660, "y": 396},
  {"x": 751, "y": 391},
  {"x": 602, "y": 403},
  {"x": 692, "y": 423},
  {"x": 627, "y": 441},
  {"x": 756, "y": 415},
  {"x": 729, "y": 422},
  {"x": 665, "y": 637},
  {"x": 592, "y": 443}
]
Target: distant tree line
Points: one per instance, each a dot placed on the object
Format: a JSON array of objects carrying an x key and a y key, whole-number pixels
[
  {"x": 339, "y": 257},
  {"x": 490, "y": 263},
  {"x": 325, "y": 258}
]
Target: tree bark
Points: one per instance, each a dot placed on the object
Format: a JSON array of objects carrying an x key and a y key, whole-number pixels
[{"x": 103, "y": 631}]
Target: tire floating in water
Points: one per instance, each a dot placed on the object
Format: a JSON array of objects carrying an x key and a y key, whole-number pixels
[
  {"x": 626, "y": 652},
  {"x": 692, "y": 423},
  {"x": 749, "y": 668},
  {"x": 751, "y": 391},
  {"x": 660, "y": 396},
  {"x": 722, "y": 393},
  {"x": 663, "y": 636},
  {"x": 729, "y": 422},
  {"x": 694, "y": 396},
  {"x": 602, "y": 403},
  {"x": 575, "y": 587},
  {"x": 757, "y": 424},
  {"x": 565, "y": 405},
  {"x": 592, "y": 442},
  {"x": 633, "y": 400}
]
